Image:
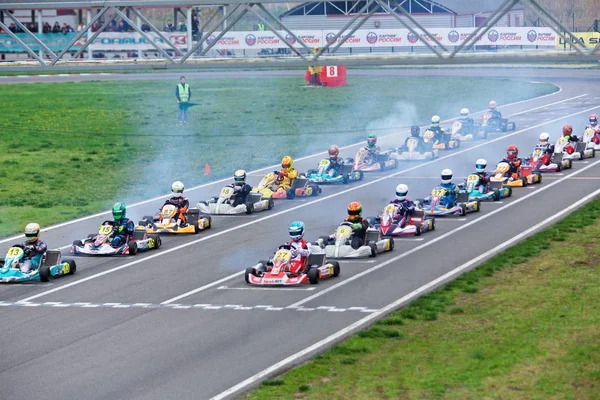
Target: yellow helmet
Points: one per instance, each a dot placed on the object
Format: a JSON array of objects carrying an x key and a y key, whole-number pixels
[
  {"x": 239, "y": 177},
  {"x": 287, "y": 163},
  {"x": 32, "y": 232},
  {"x": 492, "y": 105}
]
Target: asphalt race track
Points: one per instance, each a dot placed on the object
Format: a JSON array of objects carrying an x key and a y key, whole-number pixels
[{"x": 181, "y": 322}]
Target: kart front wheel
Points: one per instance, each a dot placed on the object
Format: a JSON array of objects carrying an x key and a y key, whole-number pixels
[
  {"x": 157, "y": 241},
  {"x": 44, "y": 273},
  {"x": 336, "y": 268},
  {"x": 496, "y": 194},
  {"x": 249, "y": 207},
  {"x": 373, "y": 247},
  {"x": 132, "y": 248},
  {"x": 249, "y": 271},
  {"x": 72, "y": 266},
  {"x": 313, "y": 276},
  {"x": 78, "y": 243}
]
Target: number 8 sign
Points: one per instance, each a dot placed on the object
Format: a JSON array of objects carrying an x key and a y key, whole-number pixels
[{"x": 332, "y": 71}]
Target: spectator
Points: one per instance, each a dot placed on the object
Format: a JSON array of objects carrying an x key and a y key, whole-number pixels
[
  {"x": 47, "y": 28},
  {"x": 145, "y": 28},
  {"x": 65, "y": 28},
  {"x": 33, "y": 28},
  {"x": 12, "y": 28},
  {"x": 195, "y": 23},
  {"x": 56, "y": 27},
  {"x": 113, "y": 26},
  {"x": 122, "y": 27},
  {"x": 182, "y": 27},
  {"x": 184, "y": 94},
  {"x": 169, "y": 26},
  {"x": 95, "y": 27},
  {"x": 80, "y": 27}
]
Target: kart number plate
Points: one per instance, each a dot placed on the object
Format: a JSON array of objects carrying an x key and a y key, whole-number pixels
[
  {"x": 105, "y": 230},
  {"x": 14, "y": 252}
]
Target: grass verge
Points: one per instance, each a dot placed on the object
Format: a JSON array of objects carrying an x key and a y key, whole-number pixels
[
  {"x": 70, "y": 149},
  {"x": 524, "y": 325}
]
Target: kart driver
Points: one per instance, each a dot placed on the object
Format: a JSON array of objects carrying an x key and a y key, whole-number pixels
[
  {"x": 287, "y": 175},
  {"x": 513, "y": 160},
  {"x": 439, "y": 133},
  {"x": 359, "y": 225},
  {"x": 567, "y": 132},
  {"x": 300, "y": 247},
  {"x": 405, "y": 207},
  {"x": 33, "y": 248},
  {"x": 544, "y": 143},
  {"x": 122, "y": 225},
  {"x": 484, "y": 177},
  {"x": 182, "y": 203},
  {"x": 594, "y": 123},
  {"x": 336, "y": 163},
  {"x": 496, "y": 115},
  {"x": 240, "y": 188},
  {"x": 451, "y": 189},
  {"x": 415, "y": 134},
  {"x": 372, "y": 147},
  {"x": 468, "y": 124}
]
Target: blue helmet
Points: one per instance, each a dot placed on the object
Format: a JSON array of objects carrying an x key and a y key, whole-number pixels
[{"x": 296, "y": 230}]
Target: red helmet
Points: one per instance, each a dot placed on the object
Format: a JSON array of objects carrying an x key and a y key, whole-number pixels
[
  {"x": 333, "y": 151},
  {"x": 593, "y": 119},
  {"x": 567, "y": 130},
  {"x": 512, "y": 152},
  {"x": 354, "y": 211}
]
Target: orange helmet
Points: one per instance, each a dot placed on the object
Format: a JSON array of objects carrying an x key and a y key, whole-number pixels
[
  {"x": 287, "y": 162},
  {"x": 354, "y": 210},
  {"x": 333, "y": 151},
  {"x": 567, "y": 130},
  {"x": 512, "y": 152},
  {"x": 492, "y": 105}
]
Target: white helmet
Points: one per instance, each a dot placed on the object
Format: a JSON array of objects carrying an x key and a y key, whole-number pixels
[
  {"x": 401, "y": 191},
  {"x": 544, "y": 137},
  {"x": 481, "y": 165},
  {"x": 435, "y": 120},
  {"x": 446, "y": 175},
  {"x": 464, "y": 113},
  {"x": 177, "y": 188}
]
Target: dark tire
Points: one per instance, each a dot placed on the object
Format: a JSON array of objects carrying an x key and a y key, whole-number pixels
[
  {"x": 91, "y": 235},
  {"x": 478, "y": 206},
  {"x": 569, "y": 164},
  {"x": 72, "y": 266},
  {"x": 316, "y": 190},
  {"x": 392, "y": 244},
  {"x": 336, "y": 268},
  {"x": 148, "y": 218},
  {"x": 325, "y": 240},
  {"x": 373, "y": 247},
  {"x": 290, "y": 194},
  {"x": 143, "y": 223},
  {"x": 496, "y": 194},
  {"x": 77, "y": 243},
  {"x": 249, "y": 270},
  {"x": 250, "y": 207},
  {"x": 44, "y": 273},
  {"x": 524, "y": 180},
  {"x": 132, "y": 248},
  {"x": 345, "y": 179},
  {"x": 313, "y": 276},
  {"x": 419, "y": 202},
  {"x": 418, "y": 231},
  {"x": 157, "y": 241},
  {"x": 463, "y": 210},
  {"x": 509, "y": 191},
  {"x": 271, "y": 204},
  {"x": 361, "y": 175},
  {"x": 432, "y": 224},
  {"x": 263, "y": 266},
  {"x": 381, "y": 166},
  {"x": 540, "y": 178}
]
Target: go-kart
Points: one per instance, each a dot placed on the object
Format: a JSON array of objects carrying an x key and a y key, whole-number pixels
[
  {"x": 447, "y": 144},
  {"x": 367, "y": 163},
  {"x": 413, "y": 151},
  {"x": 283, "y": 270},
  {"x": 494, "y": 125},
  {"x": 573, "y": 150},
  {"x": 346, "y": 175},
  {"x": 465, "y": 133},
  {"x": 493, "y": 191},
  {"x": 100, "y": 244},
  {"x": 544, "y": 162},
  {"x": 523, "y": 177},
  {"x": 222, "y": 205},
  {"x": 412, "y": 225},
  {"x": 433, "y": 205},
  {"x": 339, "y": 244},
  {"x": 301, "y": 187},
  {"x": 167, "y": 221},
  {"x": 592, "y": 138},
  {"x": 51, "y": 265}
]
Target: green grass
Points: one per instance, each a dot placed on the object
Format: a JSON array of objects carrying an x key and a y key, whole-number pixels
[
  {"x": 529, "y": 331},
  {"x": 75, "y": 148}
]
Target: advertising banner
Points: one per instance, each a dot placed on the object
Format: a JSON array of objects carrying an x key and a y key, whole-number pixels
[
  {"x": 54, "y": 41},
  {"x": 589, "y": 39}
]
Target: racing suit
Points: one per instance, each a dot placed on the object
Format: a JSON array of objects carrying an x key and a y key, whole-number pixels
[
  {"x": 404, "y": 210},
  {"x": 468, "y": 125},
  {"x": 514, "y": 165},
  {"x": 439, "y": 134},
  {"x": 359, "y": 232},
  {"x": 419, "y": 140},
  {"x": 240, "y": 193},
  {"x": 33, "y": 255},
  {"x": 373, "y": 153},
  {"x": 484, "y": 180},
  {"x": 124, "y": 228},
  {"x": 449, "y": 199},
  {"x": 182, "y": 204},
  {"x": 335, "y": 164},
  {"x": 547, "y": 151},
  {"x": 596, "y": 127},
  {"x": 496, "y": 115},
  {"x": 285, "y": 179},
  {"x": 300, "y": 251}
]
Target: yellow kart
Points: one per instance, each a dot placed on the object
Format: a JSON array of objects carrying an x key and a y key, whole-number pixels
[
  {"x": 270, "y": 190},
  {"x": 167, "y": 221},
  {"x": 523, "y": 177}
]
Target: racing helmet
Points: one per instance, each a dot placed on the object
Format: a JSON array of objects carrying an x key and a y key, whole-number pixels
[
  {"x": 177, "y": 188},
  {"x": 464, "y": 113},
  {"x": 32, "y": 231},
  {"x": 287, "y": 163},
  {"x": 447, "y": 176},
  {"x": 354, "y": 211},
  {"x": 492, "y": 105},
  {"x": 512, "y": 152},
  {"x": 481, "y": 165},
  {"x": 296, "y": 230},
  {"x": 435, "y": 120},
  {"x": 544, "y": 137},
  {"x": 567, "y": 130},
  {"x": 333, "y": 151},
  {"x": 415, "y": 131},
  {"x": 401, "y": 191},
  {"x": 239, "y": 177},
  {"x": 593, "y": 120},
  {"x": 118, "y": 211},
  {"x": 372, "y": 140}
]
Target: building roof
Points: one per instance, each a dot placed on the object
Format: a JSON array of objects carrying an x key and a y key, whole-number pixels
[{"x": 474, "y": 6}]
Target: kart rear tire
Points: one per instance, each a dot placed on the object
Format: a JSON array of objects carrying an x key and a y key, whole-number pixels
[
  {"x": 463, "y": 210},
  {"x": 313, "y": 276},
  {"x": 496, "y": 194},
  {"x": 336, "y": 268},
  {"x": 249, "y": 270},
  {"x": 392, "y": 244},
  {"x": 540, "y": 178},
  {"x": 478, "y": 206},
  {"x": 44, "y": 273},
  {"x": 373, "y": 247},
  {"x": 271, "y": 204},
  {"x": 418, "y": 230},
  {"x": 345, "y": 179},
  {"x": 290, "y": 194},
  {"x": 263, "y": 266},
  {"x": 91, "y": 235},
  {"x": 569, "y": 164},
  {"x": 77, "y": 243},
  {"x": 250, "y": 207},
  {"x": 361, "y": 175},
  {"x": 325, "y": 240},
  {"x": 432, "y": 224},
  {"x": 509, "y": 191},
  {"x": 157, "y": 241},
  {"x": 143, "y": 223},
  {"x": 72, "y": 266},
  {"x": 524, "y": 180},
  {"x": 132, "y": 248},
  {"x": 148, "y": 218}
]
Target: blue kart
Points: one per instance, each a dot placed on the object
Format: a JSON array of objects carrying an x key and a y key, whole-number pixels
[
  {"x": 43, "y": 268},
  {"x": 435, "y": 204},
  {"x": 493, "y": 191},
  {"x": 346, "y": 175}
]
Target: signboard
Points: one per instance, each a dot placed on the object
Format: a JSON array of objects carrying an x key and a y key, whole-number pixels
[
  {"x": 55, "y": 41},
  {"x": 589, "y": 39}
]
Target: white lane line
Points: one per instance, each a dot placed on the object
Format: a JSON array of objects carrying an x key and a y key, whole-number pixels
[
  {"x": 544, "y": 106},
  {"x": 437, "y": 239},
  {"x": 280, "y": 289},
  {"x": 361, "y": 324},
  {"x": 207, "y": 286},
  {"x": 88, "y": 217},
  {"x": 276, "y": 214}
]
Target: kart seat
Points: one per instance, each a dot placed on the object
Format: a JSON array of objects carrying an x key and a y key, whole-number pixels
[
  {"x": 372, "y": 235},
  {"x": 383, "y": 157},
  {"x": 300, "y": 182},
  {"x": 139, "y": 234},
  {"x": 462, "y": 197},
  {"x": 253, "y": 197},
  {"x": 580, "y": 147},
  {"x": 347, "y": 168},
  {"x": 496, "y": 184},
  {"x": 427, "y": 146},
  {"x": 52, "y": 257},
  {"x": 316, "y": 259},
  {"x": 418, "y": 214},
  {"x": 556, "y": 158}
]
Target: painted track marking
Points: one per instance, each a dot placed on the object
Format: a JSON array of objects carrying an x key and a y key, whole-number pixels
[
  {"x": 280, "y": 289},
  {"x": 291, "y": 209}
]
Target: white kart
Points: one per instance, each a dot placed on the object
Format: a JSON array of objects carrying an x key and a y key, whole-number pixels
[
  {"x": 411, "y": 152},
  {"x": 573, "y": 150},
  {"x": 592, "y": 139},
  {"x": 338, "y": 245},
  {"x": 223, "y": 205}
]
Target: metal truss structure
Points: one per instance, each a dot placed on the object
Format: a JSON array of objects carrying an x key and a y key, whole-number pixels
[{"x": 195, "y": 54}]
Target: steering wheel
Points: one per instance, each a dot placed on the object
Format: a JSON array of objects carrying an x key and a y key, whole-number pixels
[{"x": 285, "y": 247}]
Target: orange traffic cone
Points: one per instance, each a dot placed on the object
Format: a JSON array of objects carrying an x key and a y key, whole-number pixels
[{"x": 206, "y": 169}]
